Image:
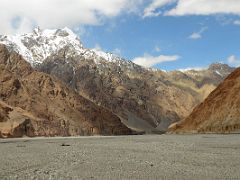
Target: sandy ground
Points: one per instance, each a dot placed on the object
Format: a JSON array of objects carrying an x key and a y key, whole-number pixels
[{"x": 124, "y": 157}]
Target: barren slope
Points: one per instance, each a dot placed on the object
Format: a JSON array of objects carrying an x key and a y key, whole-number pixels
[
  {"x": 219, "y": 113},
  {"x": 56, "y": 109}
]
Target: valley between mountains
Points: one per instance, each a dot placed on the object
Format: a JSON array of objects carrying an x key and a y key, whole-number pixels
[{"x": 51, "y": 85}]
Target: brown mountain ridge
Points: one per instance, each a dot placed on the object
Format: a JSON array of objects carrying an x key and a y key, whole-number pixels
[
  {"x": 219, "y": 113},
  {"x": 145, "y": 100},
  {"x": 33, "y": 103}
]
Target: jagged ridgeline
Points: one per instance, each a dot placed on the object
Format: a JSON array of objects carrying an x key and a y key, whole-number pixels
[{"x": 146, "y": 100}]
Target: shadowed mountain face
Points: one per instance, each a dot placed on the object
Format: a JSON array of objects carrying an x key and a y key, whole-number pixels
[
  {"x": 219, "y": 113},
  {"x": 35, "y": 104},
  {"x": 144, "y": 99}
]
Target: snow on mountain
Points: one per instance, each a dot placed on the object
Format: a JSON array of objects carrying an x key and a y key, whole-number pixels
[
  {"x": 218, "y": 73},
  {"x": 108, "y": 56},
  {"x": 35, "y": 47},
  {"x": 38, "y": 45}
]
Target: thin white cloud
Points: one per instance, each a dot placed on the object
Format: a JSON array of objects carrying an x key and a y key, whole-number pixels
[
  {"x": 20, "y": 16},
  {"x": 151, "y": 9},
  {"x": 224, "y": 20},
  {"x": 157, "y": 49},
  {"x": 149, "y": 61},
  {"x": 233, "y": 60},
  {"x": 97, "y": 47},
  {"x": 205, "y": 7},
  {"x": 195, "y": 36},
  {"x": 192, "y": 7},
  {"x": 117, "y": 51},
  {"x": 198, "y": 35},
  {"x": 80, "y": 30},
  {"x": 237, "y": 22}
]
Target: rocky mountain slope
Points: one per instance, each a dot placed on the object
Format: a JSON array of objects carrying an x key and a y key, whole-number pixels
[
  {"x": 144, "y": 99},
  {"x": 15, "y": 122},
  {"x": 33, "y": 103},
  {"x": 219, "y": 113}
]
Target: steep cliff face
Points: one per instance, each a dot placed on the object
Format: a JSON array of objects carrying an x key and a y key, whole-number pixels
[
  {"x": 54, "y": 109},
  {"x": 219, "y": 113}
]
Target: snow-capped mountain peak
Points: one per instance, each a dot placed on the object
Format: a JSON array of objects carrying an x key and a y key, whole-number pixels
[{"x": 36, "y": 46}]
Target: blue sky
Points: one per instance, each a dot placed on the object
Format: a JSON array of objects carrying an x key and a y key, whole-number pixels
[
  {"x": 165, "y": 34},
  {"x": 133, "y": 36}
]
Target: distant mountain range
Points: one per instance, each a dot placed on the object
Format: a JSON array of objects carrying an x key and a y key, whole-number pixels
[{"x": 146, "y": 100}]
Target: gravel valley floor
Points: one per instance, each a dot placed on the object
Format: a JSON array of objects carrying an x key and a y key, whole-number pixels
[{"x": 123, "y": 157}]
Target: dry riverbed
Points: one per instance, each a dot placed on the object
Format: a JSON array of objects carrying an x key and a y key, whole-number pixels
[{"x": 123, "y": 157}]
